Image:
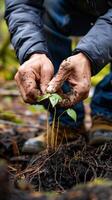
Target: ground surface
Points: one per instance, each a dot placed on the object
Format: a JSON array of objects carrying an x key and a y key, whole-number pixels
[{"x": 58, "y": 170}]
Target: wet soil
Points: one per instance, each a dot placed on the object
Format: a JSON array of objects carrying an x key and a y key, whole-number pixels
[{"x": 71, "y": 164}]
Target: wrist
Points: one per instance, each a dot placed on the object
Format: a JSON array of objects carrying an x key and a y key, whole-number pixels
[
  {"x": 84, "y": 59},
  {"x": 92, "y": 61},
  {"x": 36, "y": 55}
]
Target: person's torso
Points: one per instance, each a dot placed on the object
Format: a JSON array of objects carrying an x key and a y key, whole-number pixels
[
  {"x": 91, "y": 7},
  {"x": 74, "y": 17}
]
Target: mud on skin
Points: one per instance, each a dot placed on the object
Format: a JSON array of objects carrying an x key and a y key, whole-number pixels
[{"x": 77, "y": 71}]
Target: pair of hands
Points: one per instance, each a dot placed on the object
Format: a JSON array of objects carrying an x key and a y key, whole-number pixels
[{"x": 35, "y": 78}]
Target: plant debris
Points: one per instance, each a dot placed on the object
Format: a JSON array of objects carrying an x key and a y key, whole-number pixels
[
  {"x": 71, "y": 164},
  {"x": 60, "y": 170}
]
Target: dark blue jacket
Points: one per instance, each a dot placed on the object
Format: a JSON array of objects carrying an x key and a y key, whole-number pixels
[{"x": 24, "y": 18}]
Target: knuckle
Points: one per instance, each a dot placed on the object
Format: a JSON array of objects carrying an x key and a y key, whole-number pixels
[
  {"x": 66, "y": 66},
  {"x": 51, "y": 71},
  {"x": 21, "y": 70},
  {"x": 49, "y": 67},
  {"x": 52, "y": 68}
]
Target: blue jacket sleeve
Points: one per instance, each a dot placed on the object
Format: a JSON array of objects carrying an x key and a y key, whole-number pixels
[
  {"x": 97, "y": 44},
  {"x": 24, "y": 19}
]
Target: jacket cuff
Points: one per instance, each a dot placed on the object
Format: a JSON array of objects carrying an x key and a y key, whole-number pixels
[{"x": 26, "y": 52}]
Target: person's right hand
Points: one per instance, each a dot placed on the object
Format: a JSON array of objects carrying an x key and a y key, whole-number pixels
[{"x": 33, "y": 77}]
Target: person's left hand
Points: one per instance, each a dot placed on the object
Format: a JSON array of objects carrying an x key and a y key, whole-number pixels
[{"x": 77, "y": 71}]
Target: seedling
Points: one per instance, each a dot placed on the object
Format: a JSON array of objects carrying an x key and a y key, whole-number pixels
[{"x": 54, "y": 100}]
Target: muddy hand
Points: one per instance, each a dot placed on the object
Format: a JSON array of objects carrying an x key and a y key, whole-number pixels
[
  {"x": 33, "y": 77},
  {"x": 77, "y": 71}
]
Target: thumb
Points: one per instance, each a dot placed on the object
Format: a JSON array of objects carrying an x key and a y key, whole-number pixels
[
  {"x": 47, "y": 73},
  {"x": 62, "y": 75}
]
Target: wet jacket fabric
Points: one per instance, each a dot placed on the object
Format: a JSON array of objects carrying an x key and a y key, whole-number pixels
[{"x": 25, "y": 21}]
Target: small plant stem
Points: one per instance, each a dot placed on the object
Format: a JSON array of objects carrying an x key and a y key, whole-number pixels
[
  {"x": 48, "y": 127},
  {"x": 57, "y": 130},
  {"x": 53, "y": 134}
]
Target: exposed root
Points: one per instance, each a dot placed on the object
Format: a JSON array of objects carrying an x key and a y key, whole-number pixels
[{"x": 71, "y": 164}]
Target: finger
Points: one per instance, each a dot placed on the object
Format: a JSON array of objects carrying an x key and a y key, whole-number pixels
[
  {"x": 27, "y": 83},
  {"x": 47, "y": 73},
  {"x": 62, "y": 75}
]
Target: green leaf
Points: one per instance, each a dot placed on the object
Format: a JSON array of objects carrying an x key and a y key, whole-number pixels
[
  {"x": 41, "y": 98},
  {"x": 55, "y": 99},
  {"x": 72, "y": 114}
]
